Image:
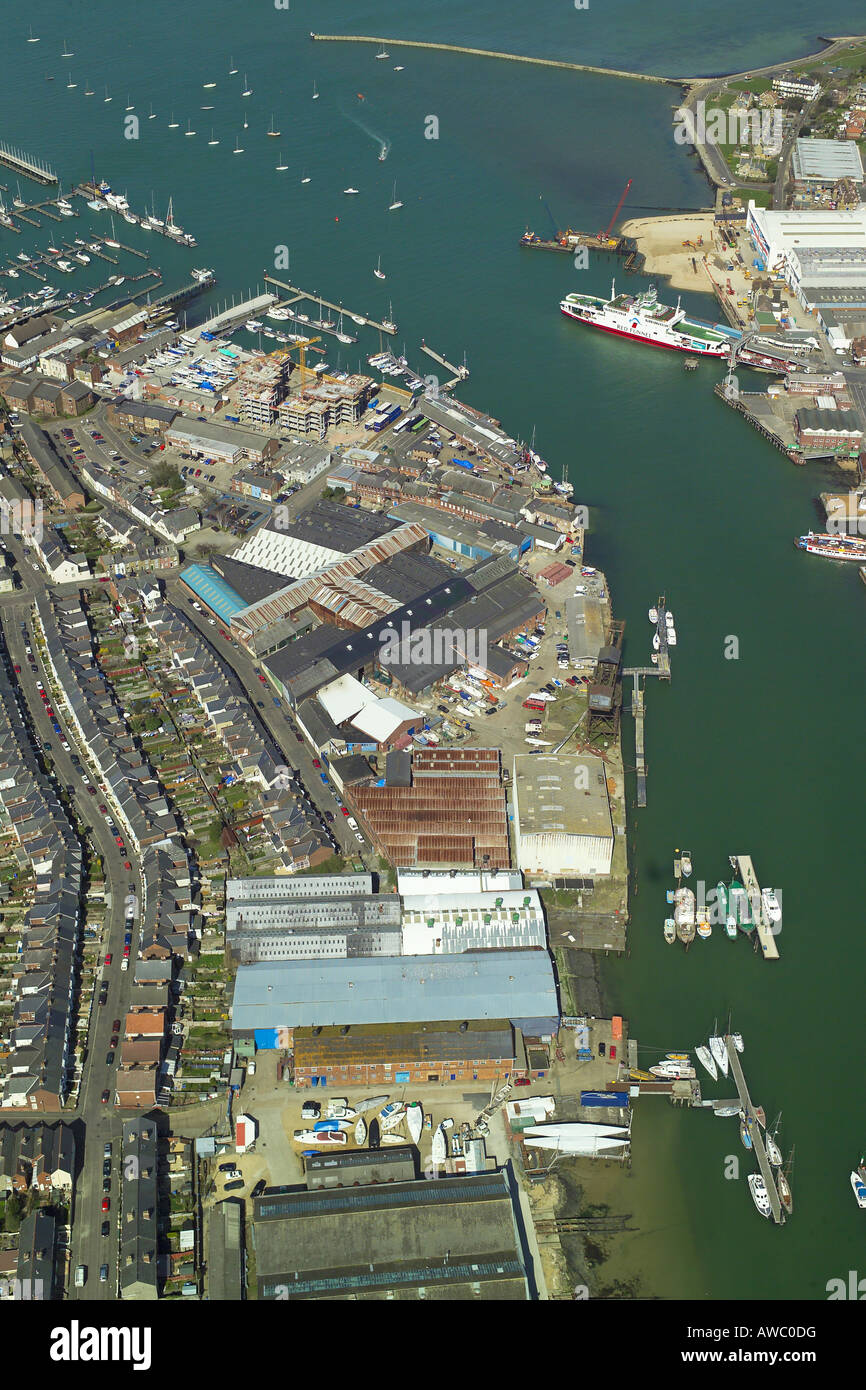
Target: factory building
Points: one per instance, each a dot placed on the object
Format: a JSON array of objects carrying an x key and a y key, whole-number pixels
[
  {"x": 272, "y": 1000},
  {"x": 562, "y": 820}
]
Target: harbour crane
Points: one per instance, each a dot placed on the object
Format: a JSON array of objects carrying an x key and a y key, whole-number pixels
[{"x": 605, "y": 236}]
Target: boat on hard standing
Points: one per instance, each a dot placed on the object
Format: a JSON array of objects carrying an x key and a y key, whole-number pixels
[
  {"x": 644, "y": 319},
  {"x": 760, "y": 1195},
  {"x": 414, "y": 1120},
  {"x": 388, "y": 1110},
  {"x": 707, "y": 1061},
  {"x": 320, "y": 1136},
  {"x": 361, "y": 1131},
  {"x": 393, "y": 1139},
  {"x": 720, "y": 1053},
  {"x": 439, "y": 1151}
]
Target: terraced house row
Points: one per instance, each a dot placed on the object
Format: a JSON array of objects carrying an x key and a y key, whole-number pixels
[
  {"x": 295, "y": 834},
  {"x": 37, "y": 1034},
  {"x": 135, "y": 794}
]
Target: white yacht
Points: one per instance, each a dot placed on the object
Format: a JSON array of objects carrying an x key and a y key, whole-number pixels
[
  {"x": 720, "y": 1053},
  {"x": 760, "y": 1196},
  {"x": 771, "y": 904}
]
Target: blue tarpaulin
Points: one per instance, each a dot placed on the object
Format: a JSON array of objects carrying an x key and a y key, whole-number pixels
[
  {"x": 265, "y": 1037},
  {"x": 619, "y": 1098}
]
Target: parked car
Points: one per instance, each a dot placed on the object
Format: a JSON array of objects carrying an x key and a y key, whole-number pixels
[
  {"x": 233, "y": 1186},
  {"x": 106, "y": 1165},
  {"x": 105, "y": 1097},
  {"x": 227, "y": 1167},
  {"x": 103, "y": 1269},
  {"x": 115, "y": 1027},
  {"x": 106, "y": 1228},
  {"x": 107, "y": 958},
  {"x": 109, "y": 1059},
  {"x": 106, "y": 1203}
]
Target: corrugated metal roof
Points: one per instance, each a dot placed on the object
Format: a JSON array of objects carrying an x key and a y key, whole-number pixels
[{"x": 394, "y": 989}]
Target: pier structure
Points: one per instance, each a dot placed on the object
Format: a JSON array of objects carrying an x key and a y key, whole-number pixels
[
  {"x": 299, "y": 293},
  {"x": 21, "y": 163},
  {"x": 638, "y": 704},
  {"x": 763, "y": 926},
  {"x": 459, "y": 373},
  {"x": 751, "y": 1113}
]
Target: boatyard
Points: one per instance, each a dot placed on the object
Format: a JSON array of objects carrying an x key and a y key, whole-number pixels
[{"x": 348, "y": 656}]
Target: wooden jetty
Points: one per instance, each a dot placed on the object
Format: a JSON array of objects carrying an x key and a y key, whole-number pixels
[
  {"x": 299, "y": 293},
  {"x": 763, "y": 927},
  {"x": 754, "y": 1128},
  {"x": 637, "y": 709}
]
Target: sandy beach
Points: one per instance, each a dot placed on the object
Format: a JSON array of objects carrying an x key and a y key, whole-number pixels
[{"x": 661, "y": 241}]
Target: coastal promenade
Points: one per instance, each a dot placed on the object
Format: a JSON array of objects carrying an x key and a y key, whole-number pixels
[{"x": 832, "y": 45}]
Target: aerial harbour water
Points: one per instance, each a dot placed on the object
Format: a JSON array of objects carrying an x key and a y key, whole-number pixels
[{"x": 762, "y": 750}]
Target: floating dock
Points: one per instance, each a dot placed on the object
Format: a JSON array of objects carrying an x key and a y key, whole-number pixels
[
  {"x": 751, "y": 1113},
  {"x": 459, "y": 373},
  {"x": 764, "y": 928}
]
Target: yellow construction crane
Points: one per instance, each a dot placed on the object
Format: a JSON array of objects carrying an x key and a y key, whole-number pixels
[{"x": 284, "y": 354}]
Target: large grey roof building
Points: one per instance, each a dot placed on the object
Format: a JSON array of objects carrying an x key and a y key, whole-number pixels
[{"x": 517, "y": 985}]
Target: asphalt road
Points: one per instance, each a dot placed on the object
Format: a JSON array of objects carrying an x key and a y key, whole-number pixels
[{"x": 102, "y": 1121}]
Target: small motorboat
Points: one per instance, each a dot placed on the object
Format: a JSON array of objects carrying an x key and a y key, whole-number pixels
[
  {"x": 341, "y": 1126},
  {"x": 670, "y": 930},
  {"x": 744, "y": 1133},
  {"x": 340, "y": 1112},
  {"x": 677, "y": 1057},
  {"x": 393, "y": 1121},
  {"x": 760, "y": 1195},
  {"x": 686, "y": 863},
  {"x": 414, "y": 1120},
  {"x": 361, "y": 1132},
  {"x": 859, "y": 1188},
  {"x": 726, "y": 1111},
  {"x": 657, "y": 641},
  {"x": 720, "y": 1053},
  {"x": 653, "y": 615},
  {"x": 673, "y": 1071},
  {"x": 771, "y": 904},
  {"x": 320, "y": 1136},
  {"x": 672, "y": 637},
  {"x": 702, "y": 920},
  {"x": 737, "y": 1040},
  {"x": 391, "y": 1109},
  {"x": 707, "y": 1061},
  {"x": 350, "y": 190}
]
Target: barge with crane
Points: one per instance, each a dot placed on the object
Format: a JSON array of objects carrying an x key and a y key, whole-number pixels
[{"x": 569, "y": 240}]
